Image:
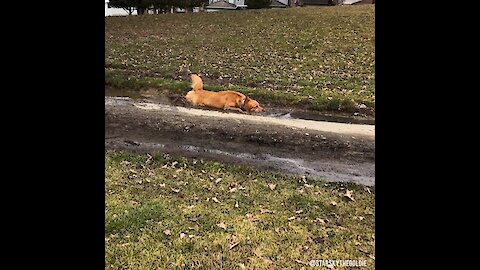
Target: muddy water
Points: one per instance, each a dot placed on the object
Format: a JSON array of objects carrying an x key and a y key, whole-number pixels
[
  {"x": 330, "y": 170},
  {"x": 154, "y": 96},
  {"x": 317, "y": 149}
]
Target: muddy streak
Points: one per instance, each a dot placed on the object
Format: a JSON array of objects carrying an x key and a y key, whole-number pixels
[{"x": 334, "y": 156}]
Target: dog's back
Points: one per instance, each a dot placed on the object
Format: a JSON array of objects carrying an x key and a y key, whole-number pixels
[{"x": 222, "y": 100}]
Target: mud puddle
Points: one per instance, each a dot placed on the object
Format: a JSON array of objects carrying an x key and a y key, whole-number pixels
[
  {"x": 331, "y": 151},
  {"x": 154, "y": 96},
  {"x": 332, "y": 171}
]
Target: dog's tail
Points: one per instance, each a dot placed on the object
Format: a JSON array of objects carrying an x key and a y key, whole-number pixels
[{"x": 197, "y": 83}]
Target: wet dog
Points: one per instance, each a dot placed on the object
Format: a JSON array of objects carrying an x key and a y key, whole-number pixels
[{"x": 227, "y": 100}]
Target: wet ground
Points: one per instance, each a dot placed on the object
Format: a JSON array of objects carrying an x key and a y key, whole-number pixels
[
  {"x": 154, "y": 96},
  {"x": 273, "y": 141}
]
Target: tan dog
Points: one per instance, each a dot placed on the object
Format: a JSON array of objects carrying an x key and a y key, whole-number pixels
[{"x": 221, "y": 100}]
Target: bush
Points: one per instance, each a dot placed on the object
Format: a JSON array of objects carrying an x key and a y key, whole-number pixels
[{"x": 258, "y": 3}]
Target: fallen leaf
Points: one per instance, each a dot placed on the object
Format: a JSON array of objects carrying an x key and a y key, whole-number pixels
[
  {"x": 368, "y": 190},
  {"x": 333, "y": 203},
  {"x": 299, "y": 211},
  {"x": 242, "y": 266},
  {"x": 349, "y": 194},
  {"x": 222, "y": 225},
  {"x": 232, "y": 189},
  {"x": 175, "y": 190},
  {"x": 167, "y": 232},
  {"x": 162, "y": 185},
  {"x": 319, "y": 220},
  {"x": 182, "y": 235},
  {"x": 298, "y": 261},
  {"x": 307, "y": 185},
  {"x": 236, "y": 204},
  {"x": 263, "y": 211},
  {"x": 234, "y": 245},
  {"x": 272, "y": 186},
  {"x": 291, "y": 218},
  {"x": 371, "y": 257},
  {"x": 215, "y": 200},
  {"x": 218, "y": 180}
]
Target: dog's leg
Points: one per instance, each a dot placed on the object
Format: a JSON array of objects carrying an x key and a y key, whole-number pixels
[{"x": 234, "y": 109}]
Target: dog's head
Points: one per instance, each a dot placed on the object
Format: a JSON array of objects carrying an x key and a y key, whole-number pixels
[{"x": 252, "y": 105}]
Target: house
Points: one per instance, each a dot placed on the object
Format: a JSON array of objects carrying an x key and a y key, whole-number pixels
[
  {"x": 111, "y": 11},
  {"x": 280, "y": 3},
  {"x": 316, "y": 2},
  {"x": 217, "y": 5},
  {"x": 355, "y": 2}
]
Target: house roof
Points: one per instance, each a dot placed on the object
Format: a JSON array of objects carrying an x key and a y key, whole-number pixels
[
  {"x": 350, "y": 2},
  {"x": 221, "y": 5},
  {"x": 276, "y": 3}
]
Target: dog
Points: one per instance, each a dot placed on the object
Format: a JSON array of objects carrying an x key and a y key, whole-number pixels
[{"x": 227, "y": 100}]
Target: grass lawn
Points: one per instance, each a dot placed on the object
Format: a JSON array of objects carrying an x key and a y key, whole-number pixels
[
  {"x": 163, "y": 212},
  {"x": 314, "y": 58}
]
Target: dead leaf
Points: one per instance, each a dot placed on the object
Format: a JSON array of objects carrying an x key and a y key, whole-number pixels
[
  {"x": 272, "y": 186},
  {"x": 242, "y": 266},
  {"x": 298, "y": 261},
  {"x": 215, "y": 200},
  {"x": 319, "y": 220},
  {"x": 307, "y": 185},
  {"x": 167, "y": 232},
  {"x": 368, "y": 190},
  {"x": 232, "y": 189},
  {"x": 371, "y": 257},
  {"x": 182, "y": 235},
  {"x": 299, "y": 211},
  {"x": 162, "y": 185},
  {"x": 222, "y": 225},
  {"x": 291, "y": 218},
  {"x": 175, "y": 190},
  {"x": 333, "y": 203},
  {"x": 236, "y": 204},
  {"x": 349, "y": 194},
  {"x": 218, "y": 180},
  {"x": 263, "y": 211},
  {"x": 234, "y": 245}
]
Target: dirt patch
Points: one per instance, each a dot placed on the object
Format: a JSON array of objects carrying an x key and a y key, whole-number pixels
[{"x": 239, "y": 139}]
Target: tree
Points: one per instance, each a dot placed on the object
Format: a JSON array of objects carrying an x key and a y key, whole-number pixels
[{"x": 127, "y": 5}]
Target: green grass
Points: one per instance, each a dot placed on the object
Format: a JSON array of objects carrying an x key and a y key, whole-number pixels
[
  {"x": 163, "y": 212},
  {"x": 316, "y": 58}
]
